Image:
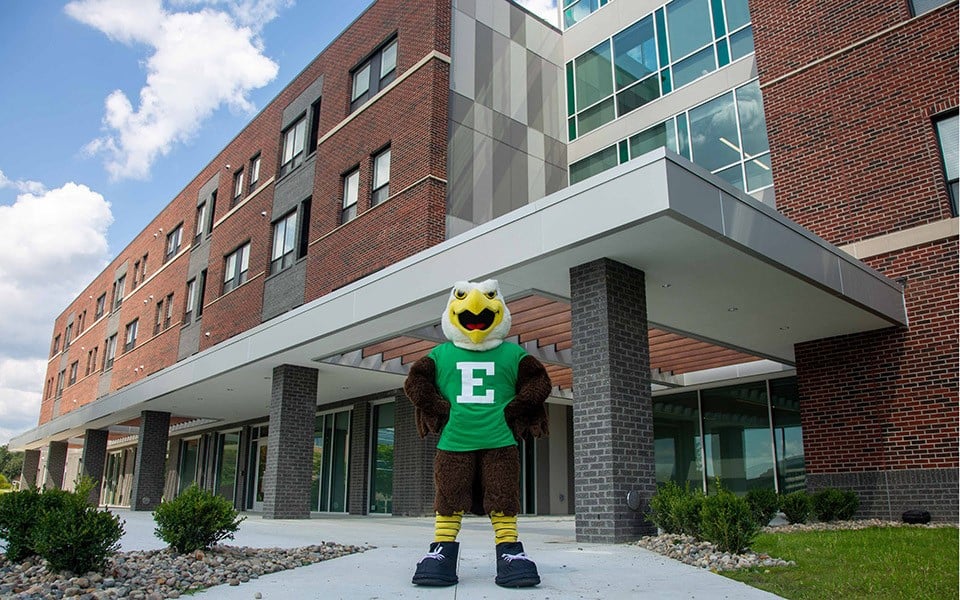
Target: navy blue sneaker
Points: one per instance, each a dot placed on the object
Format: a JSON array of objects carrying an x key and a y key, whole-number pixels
[
  {"x": 514, "y": 568},
  {"x": 439, "y": 566}
]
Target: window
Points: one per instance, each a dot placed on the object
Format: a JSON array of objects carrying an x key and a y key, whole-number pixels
[
  {"x": 73, "y": 372},
  {"x": 136, "y": 272},
  {"x": 284, "y": 243},
  {"x": 168, "y": 313},
  {"x": 109, "y": 351},
  {"x": 61, "y": 376},
  {"x": 314, "y": 127},
  {"x": 237, "y": 186},
  {"x": 131, "y": 336},
  {"x": 158, "y": 320},
  {"x": 235, "y": 268},
  {"x": 191, "y": 300},
  {"x": 381, "y": 178},
  {"x": 91, "y": 361},
  {"x": 293, "y": 142},
  {"x": 947, "y": 133},
  {"x": 143, "y": 268},
  {"x": 101, "y": 306},
  {"x": 254, "y": 171},
  {"x": 201, "y": 291},
  {"x": 374, "y": 74},
  {"x": 118, "y": 291},
  {"x": 67, "y": 335},
  {"x": 577, "y": 10},
  {"x": 56, "y": 344},
  {"x": 201, "y": 225},
  {"x": 81, "y": 319},
  {"x": 351, "y": 190},
  {"x": 921, "y": 6},
  {"x": 173, "y": 242}
]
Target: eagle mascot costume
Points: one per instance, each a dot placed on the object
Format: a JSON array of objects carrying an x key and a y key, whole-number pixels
[{"x": 482, "y": 395}]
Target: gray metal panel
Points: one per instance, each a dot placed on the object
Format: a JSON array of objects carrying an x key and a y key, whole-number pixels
[
  {"x": 518, "y": 26},
  {"x": 461, "y": 159},
  {"x": 871, "y": 291},
  {"x": 293, "y": 189},
  {"x": 467, "y": 6},
  {"x": 694, "y": 199},
  {"x": 206, "y": 191},
  {"x": 502, "y": 165},
  {"x": 463, "y": 41},
  {"x": 483, "y": 81},
  {"x": 518, "y": 82},
  {"x": 482, "y": 179},
  {"x": 536, "y": 178},
  {"x": 302, "y": 102},
  {"x": 501, "y": 17},
  {"x": 284, "y": 290},
  {"x": 553, "y": 120},
  {"x": 500, "y": 75},
  {"x": 534, "y": 89},
  {"x": 461, "y": 109}
]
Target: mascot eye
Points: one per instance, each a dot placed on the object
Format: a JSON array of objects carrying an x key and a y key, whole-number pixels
[
  {"x": 459, "y": 294},
  {"x": 491, "y": 295}
]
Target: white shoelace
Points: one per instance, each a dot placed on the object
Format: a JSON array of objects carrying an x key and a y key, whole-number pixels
[
  {"x": 513, "y": 557},
  {"x": 434, "y": 555}
]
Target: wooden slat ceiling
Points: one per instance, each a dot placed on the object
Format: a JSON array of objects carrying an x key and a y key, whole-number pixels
[{"x": 547, "y": 321}]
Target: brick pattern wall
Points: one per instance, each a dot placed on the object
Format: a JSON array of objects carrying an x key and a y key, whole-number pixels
[
  {"x": 293, "y": 404},
  {"x": 151, "y": 461},
  {"x": 31, "y": 464},
  {"x": 56, "y": 463},
  {"x": 94, "y": 459},
  {"x": 359, "y": 458},
  {"x": 413, "y": 457},
  {"x": 853, "y": 146},
  {"x": 887, "y": 494},
  {"x": 613, "y": 414}
]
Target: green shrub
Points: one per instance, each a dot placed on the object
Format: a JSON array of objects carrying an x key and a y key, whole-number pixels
[
  {"x": 195, "y": 519},
  {"x": 727, "y": 521},
  {"x": 71, "y": 534},
  {"x": 672, "y": 508},
  {"x": 796, "y": 506},
  {"x": 764, "y": 504},
  {"x": 18, "y": 514},
  {"x": 4, "y": 482},
  {"x": 830, "y": 504},
  {"x": 688, "y": 510}
]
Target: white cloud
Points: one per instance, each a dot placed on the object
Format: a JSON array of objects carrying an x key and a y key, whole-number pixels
[
  {"x": 545, "y": 9},
  {"x": 200, "y": 61},
  {"x": 30, "y": 187},
  {"x": 53, "y": 244}
]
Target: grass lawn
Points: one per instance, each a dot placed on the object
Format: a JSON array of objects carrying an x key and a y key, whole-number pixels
[{"x": 876, "y": 563}]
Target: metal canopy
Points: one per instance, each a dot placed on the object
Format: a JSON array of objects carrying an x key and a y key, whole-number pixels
[{"x": 720, "y": 267}]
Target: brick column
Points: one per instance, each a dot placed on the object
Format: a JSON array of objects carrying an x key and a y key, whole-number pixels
[
  {"x": 612, "y": 408},
  {"x": 151, "y": 461},
  {"x": 93, "y": 460},
  {"x": 56, "y": 463},
  {"x": 28, "y": 473},
  {"x": 412, "y": 464},
  {"x": 293, "y": 408}
]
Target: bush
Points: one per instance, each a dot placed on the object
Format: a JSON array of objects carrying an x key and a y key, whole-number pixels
[
  {"x": 195, "y": 519},
  {"x": 728, "y": 522},
  {"x": 71, "y": 534},
  {"x": 764, "y": 504},
  {"x": 830, "y": 504},
  {"x": 4, "y": 482},
  {"x": 796, "y": 506},
  {"x": 18, "y": 514},
  {"x": 676, "y": 509}
]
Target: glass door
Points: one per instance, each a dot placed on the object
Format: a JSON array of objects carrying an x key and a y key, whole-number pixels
[
  {"x": 381, "y": 459},
  {"x": 331, "y": 445},
  {"x": 228, "y": 454},
  {"x": 259, "y": 453},
  {"x": 189, "y": 451}
]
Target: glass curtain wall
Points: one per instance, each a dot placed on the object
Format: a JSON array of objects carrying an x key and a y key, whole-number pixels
[
  {"x": 256, "y": 466},
  {"x": 228, "y": 452},
  {"x": 331, "y": 442},
  {"x": 746, "y": 436},
  {"x": 381, "y": 479},
  {"x": 189, "y": 456}
]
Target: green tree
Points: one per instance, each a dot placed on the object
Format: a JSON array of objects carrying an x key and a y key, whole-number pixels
[{"x": 11, "y": 463}]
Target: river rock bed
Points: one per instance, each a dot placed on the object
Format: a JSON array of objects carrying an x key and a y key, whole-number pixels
[
  {"x": 703, "y": 554},
  {"x": 158, "y": 574}
]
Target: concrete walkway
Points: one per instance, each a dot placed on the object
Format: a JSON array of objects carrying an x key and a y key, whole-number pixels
[{"x": 568, "y": 570}]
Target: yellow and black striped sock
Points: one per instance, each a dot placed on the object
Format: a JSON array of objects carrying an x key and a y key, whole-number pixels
[
  {"x": 447, "y": 527},
  {"x": 504, "y": 527}
]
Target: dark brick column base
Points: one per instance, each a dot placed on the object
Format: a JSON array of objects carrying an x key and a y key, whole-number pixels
[{"x": 887, "y": 494}]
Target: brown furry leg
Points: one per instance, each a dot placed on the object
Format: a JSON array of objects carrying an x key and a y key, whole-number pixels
[
  {"x": 453, "y": 480},
  {"x": 500, "y": 473}
]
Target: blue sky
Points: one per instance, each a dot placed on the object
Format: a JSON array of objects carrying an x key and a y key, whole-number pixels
[{"x": 107, "y": 109}]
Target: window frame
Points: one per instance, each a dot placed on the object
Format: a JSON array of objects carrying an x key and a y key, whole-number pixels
[
  {"x": 238, "y": 276},
  {"x": 950, "y": 184},
  {"x": 174, "y": 241},
  {"x": 72, "y": 377},
  {"x": 348, "y": 207},
  {"x": 109, "y": 352},
  {"x": 119, "y": 289},
  {"x": 101, "y": 306},
  {"x": 282, "y": 258},
  {"x": 130, "y": 335},
  {"x": 158, "y": 318},
  {"x": 380, "y": 193},
  {"x": 298, "y": 131},
  {"x": 237, "y": 187},
  {"x": 369, "y": 77},
  {"x": 190, "y": 304},
  {"x": 255, "y": 164}
]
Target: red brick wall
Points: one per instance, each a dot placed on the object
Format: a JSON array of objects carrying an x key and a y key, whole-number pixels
[
  {"x": 888, "y": 399},
  {"x": 853, "y": 146}
]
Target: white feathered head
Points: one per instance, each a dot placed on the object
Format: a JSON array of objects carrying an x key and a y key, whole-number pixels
[{"x": 476, "y": 317}]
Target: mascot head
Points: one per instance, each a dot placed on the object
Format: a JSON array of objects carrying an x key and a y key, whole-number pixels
[{"x": 476, "y": 317}]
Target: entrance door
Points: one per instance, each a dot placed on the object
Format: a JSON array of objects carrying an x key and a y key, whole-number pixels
[
  {"x": 260, "y": 467},
  {"x": 331, "y": 444}
]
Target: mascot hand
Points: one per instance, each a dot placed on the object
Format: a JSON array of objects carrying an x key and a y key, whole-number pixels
[{"x": 431, "y": 410}]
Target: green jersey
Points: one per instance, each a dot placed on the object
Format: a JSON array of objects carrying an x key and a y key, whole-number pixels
[{"x": 478, "y": 385}]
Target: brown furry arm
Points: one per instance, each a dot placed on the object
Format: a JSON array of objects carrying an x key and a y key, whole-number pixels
[
  {"x": 527, "y": 413},
  {"x": 431, "y": 410}
]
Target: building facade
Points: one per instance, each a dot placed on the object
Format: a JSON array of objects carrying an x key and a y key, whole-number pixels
[{"x": 728, "y": 230}]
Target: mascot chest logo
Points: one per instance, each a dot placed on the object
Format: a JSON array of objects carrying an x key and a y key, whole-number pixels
[{"x": 469, "y": 383}]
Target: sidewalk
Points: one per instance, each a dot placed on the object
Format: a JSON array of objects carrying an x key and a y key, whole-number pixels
[{"x": 568, "y": 570}]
